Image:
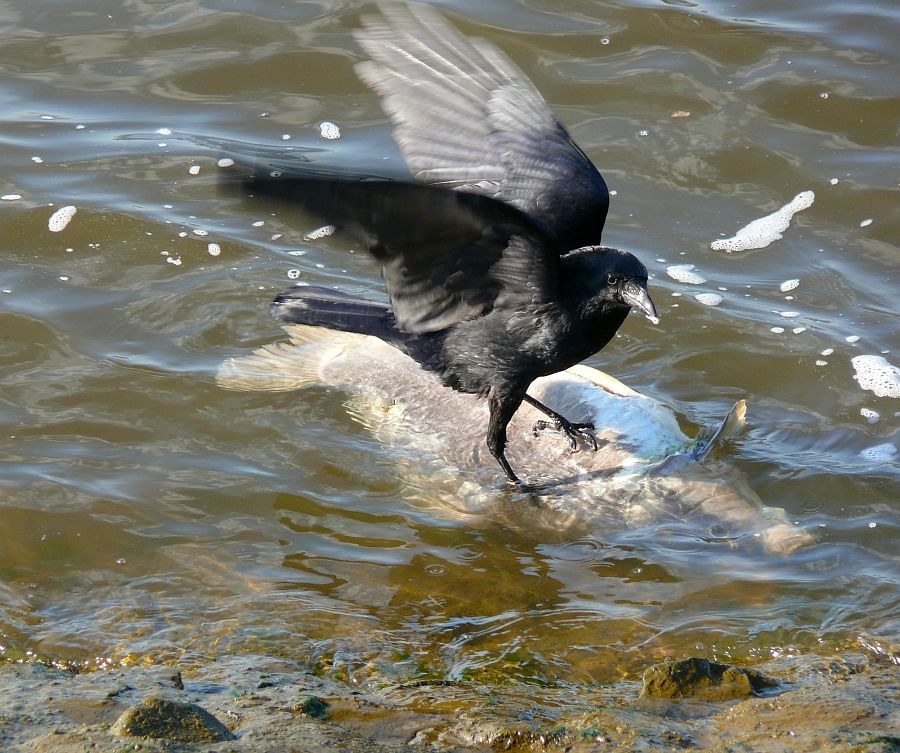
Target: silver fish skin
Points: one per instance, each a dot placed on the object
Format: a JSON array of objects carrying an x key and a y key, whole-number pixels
[{"x": 646, "y": 471}]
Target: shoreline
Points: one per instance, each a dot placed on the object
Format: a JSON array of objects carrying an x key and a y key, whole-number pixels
[{"x": 835, "y": 704}]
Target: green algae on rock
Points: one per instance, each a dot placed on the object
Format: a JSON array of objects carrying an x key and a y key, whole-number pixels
[
  {"x": 159, "y": 717},
  {"x": 703, "y": 680}
]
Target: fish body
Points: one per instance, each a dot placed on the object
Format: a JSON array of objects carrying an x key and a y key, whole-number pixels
[{"x": 645, "y": 471}]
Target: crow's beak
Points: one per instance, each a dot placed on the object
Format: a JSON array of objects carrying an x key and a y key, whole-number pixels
[{"x": 636, "y": 296}]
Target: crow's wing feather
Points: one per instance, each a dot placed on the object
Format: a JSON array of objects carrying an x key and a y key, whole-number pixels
[
  {"x": 467, "y": 118},
  {"x": 446, "y": 256}
]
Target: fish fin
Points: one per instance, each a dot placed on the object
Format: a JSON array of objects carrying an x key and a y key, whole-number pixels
[
  {"x": 733, "y": 424},
  {"x": 603, "y": 380},
  {"x": 279, "y": 367}
]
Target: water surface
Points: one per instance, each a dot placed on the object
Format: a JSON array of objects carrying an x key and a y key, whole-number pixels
[{"x": 149, "y": 515}]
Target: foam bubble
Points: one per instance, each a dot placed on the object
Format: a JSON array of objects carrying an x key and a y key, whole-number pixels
[
  {"x": 789, "y": 314},
  {"x": 760, "y": 233},
  {"x": 685, "y": 273},
  {"x": 880, "y": 453},
  {"x": 225, "y": 162},
  {"x": 777, "y": 330},
  {"x": 194, "y": 169},
  {"x": 321, "y": 232},
  {"x": 866, "y": 223},
  {"x": 214, "y": 249},
  {"x": 851, "y": 338},
  {"x": 789, "y": 285},
  {"x": 709, "y": 299},
  {"x": 164, "y": 131},
  {"x": 329, "y": 130},
  {"x": 872, "y": 416},
  {"x": 60, "y": 218},
  {"x": 11, "y": 197},
  {"x": 293, "y": 274},
  {"x": 875, "y": 374}
]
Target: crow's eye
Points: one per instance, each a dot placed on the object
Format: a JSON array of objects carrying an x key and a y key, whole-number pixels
[{"x": 612, "y": 279}]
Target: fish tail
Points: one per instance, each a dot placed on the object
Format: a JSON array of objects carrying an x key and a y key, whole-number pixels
[{"x": 733, "y": 424}]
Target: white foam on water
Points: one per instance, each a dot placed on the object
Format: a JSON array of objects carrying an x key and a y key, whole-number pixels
[
  {"x": 60, "y": 218},
  {"x": 37, "y": 160},
  {"x": 760, "y": 233},
  {"x": 214, "y": 249},
  {"x": 875, "y": 374},
  {"x": 194, "y": 169},
  {"x": 827, "y": 351},
  {"x": 777, "y": 330},
  {"x": 293, "y": 274},
  {"x": 866, "y": 223},
  {"x": 200, "y": 232},
  {"x": 798, "y": 330},
  {"x": 880, "y": 453},
  {"x": 709, "y": 299},
  {"x": 789, "y": 314},
  {"x": 11, "y": 197},
  {"x": 833, "y": 181},
  {"x": 164, "y": 131},
  {"x": 176, "y": 260},
  {"x": 685, "y": 273},
  {"x": 321, "y": 232},
  {"x": 225, "y": 162},
  {"x": 789, "y": 285},
  {"x": 329, "y": 130},
  {"x": 872, "y": 416},
  {"x": 851, "y": 338}
]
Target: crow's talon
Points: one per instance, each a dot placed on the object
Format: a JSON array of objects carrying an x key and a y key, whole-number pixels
[{"x": 571, "y": 431}]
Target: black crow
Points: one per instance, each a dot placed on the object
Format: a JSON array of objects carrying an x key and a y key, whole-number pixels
[{"x": 490, "y": 254}]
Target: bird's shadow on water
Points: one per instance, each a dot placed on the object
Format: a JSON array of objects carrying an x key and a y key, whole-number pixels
[{"x": 534, "y": 491}]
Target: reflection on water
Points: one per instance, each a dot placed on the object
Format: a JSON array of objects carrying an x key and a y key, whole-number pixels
[{"x": 149, "y": 514}]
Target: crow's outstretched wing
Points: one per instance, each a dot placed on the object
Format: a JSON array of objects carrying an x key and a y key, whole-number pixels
[
  {"x": 465, "y": 117},
  {"x": 446, "y": 255}
]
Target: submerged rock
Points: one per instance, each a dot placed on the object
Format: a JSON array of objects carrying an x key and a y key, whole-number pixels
[
  {"x": 703, "y": 680},
  {"x": 313, "y": 706},
  {"x": 159, "y": 717}
]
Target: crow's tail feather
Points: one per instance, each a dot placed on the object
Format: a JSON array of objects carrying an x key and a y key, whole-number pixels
[
  {"x": 332, "y": 309},
  {"x": 321, "y": 307}
]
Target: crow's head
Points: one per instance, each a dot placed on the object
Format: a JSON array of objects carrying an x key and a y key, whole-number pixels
[{"x": 623, "y": 281}]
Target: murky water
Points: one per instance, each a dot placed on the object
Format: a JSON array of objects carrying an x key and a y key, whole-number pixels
[{"x": 147, "y": 514}]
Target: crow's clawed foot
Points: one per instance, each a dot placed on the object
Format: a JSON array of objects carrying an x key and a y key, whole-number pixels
[{"x": 573, "y": 432}]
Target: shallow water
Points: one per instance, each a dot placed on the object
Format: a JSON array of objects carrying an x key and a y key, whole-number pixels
[{"x": 149, "y": 515}]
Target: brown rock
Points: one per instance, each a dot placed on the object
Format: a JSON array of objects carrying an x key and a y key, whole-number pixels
[
  {"x": 159, "y": 717},
  {"x": 703, "y": 680}
]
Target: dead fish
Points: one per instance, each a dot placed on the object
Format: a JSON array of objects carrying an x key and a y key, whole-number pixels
[{"x": 646, "y": 470}]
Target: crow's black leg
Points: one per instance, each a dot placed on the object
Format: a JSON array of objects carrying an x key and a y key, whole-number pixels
[
  {"x": 502, "y": 408},
  {"x": 560, "y": 423}
]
